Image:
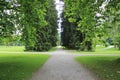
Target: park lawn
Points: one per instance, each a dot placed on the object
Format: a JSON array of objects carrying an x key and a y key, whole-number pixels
[
  {"x": 105, "y": 68},
  {"x": 12, "y": 48},
  {"x": 20, "y": 66},
  {"x": 4, "y": 49},
  {"x": 99, "y": 50}
]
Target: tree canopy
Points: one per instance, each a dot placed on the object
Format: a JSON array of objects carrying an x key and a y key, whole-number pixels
[
  {"x": 92, "y": 19},
  {"x": 32, "y": 20},
  {"x": 34, "y": 23}
]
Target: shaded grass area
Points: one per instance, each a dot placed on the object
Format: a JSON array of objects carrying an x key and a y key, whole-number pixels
[
  {"x": 99, "y": 50},
  {"x": 20, "y": 66},
  {"x": 106, "y": 68},
  {"x": 12, "y": 48}
]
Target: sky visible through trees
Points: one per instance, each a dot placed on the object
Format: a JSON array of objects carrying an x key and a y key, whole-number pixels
[{"x": 59, "y": 7}]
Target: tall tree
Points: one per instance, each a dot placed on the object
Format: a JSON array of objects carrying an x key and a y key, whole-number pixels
[
  {"x": 113, "y": 20},
  {"x": 71, "y": 37},
  {"x": 83, "y": 12},
  {"x": 47, "y": 35},
  {"x": 31, "y": 20},
  {"x": 39, "y": 26}
]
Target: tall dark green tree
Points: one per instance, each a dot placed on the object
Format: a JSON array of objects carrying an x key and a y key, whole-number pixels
[
  {"x": 39, "y": 25},
  {"x": 83, "y": 13},
  {"x": 47, "y": 35},
  {"x": 51, "y": 18},
  {"x": 34, "y": 20},
  {"x": 71, "y": 37}
]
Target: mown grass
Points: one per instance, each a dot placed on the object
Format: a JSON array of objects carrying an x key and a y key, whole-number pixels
[
  {"x": 106, "y": 68},
  {"x": 19, "y": 49},
  {"x": 20, "y": 66},
  {"x": 12, "y": 48},
  {"x": 99, "y": 50}
]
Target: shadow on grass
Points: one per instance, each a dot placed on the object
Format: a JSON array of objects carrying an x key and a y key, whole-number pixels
[
  {"x": 20, "y": 67},
  {"x": 106, "y": 68}
]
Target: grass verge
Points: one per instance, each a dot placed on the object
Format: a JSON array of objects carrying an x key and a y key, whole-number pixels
[
  {"x": 99, "y": 50},
  {"x": 4, "y": 49},
  {"x": 106, "y": 68},
  {"x": 20, "y": 66},
  {"x": 12, "y": 48}
]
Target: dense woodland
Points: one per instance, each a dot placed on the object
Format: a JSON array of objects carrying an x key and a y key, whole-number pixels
[{"x": 86, "y": 23}]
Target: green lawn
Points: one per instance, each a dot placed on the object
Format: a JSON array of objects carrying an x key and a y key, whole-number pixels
[
  {"x": 18, "y": 49},
  {"x": 106, "y": 68},
  {"x": 20, "y": 66},
  {"x": 99, "y": 50},
  {"x": 12, "y": 48}
]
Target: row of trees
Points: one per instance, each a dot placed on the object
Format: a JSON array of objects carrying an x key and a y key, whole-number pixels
[
  {"x": 34, "y": 21},
  {"x": 86, "y": 20}
]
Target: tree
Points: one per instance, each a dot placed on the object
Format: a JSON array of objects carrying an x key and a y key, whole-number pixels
[
  {"x": 83, "y": 13},
  {"x": 47, "y": 35},
  {"x": 32, "y": 20},
  {"x": 71, "y": 37},
  {"x": 113, "y": 20},
  {"x": 8, "y": 20}
]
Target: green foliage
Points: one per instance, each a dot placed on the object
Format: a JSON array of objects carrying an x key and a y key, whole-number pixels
[
  {"x": 31, "y": 21},
  {"x": 82, "y": 13},
  {"x": 46, "y": 36},
  {"x": 20, "y": 66},
  {"x": 105, "y": 68},
  {"x": 95, "y": 19},
  {"x": 35, "y": 21},
  {"x": 117, "y": 40},
  {"x": 71, "y": 37},
  {"x": 51, "y": 18},
  {"x": 113, "y": 21},
  {"x": 7, "y": 16}
]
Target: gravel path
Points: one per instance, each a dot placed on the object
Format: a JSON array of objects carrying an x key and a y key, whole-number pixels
[{"x": 62, "y": 66}]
